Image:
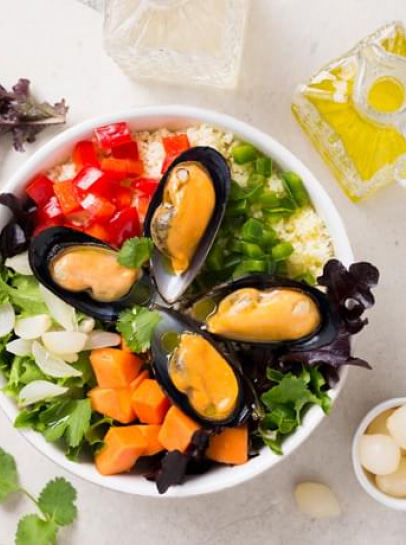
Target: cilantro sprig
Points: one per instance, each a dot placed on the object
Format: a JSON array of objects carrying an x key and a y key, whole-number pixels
[
  {"x": 287, "y": 400},
  {"x": 135, "y": 252},
  {"x": 55, "y": 504},
  {"x": 137, "y": 326}
]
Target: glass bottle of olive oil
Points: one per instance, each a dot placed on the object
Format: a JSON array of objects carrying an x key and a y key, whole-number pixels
[
  {"x": 354, "y": 111},
  {"x": 177, "y": 41}
]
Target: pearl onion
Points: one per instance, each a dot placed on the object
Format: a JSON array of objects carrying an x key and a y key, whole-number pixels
[
  {"x": 396, "y": 424},
  {"x": 379, "y": 454},
  {"x": 395, "y": 483},
  {"x": 378, "y": 425}
]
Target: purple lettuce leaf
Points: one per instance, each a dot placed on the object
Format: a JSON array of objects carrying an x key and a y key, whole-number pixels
[{"x": 24, "y": 116}]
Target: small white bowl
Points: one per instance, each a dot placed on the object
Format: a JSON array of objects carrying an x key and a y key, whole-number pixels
[
  {"x": 175, "y": 117},
  {"x": 364, "y": 477}
]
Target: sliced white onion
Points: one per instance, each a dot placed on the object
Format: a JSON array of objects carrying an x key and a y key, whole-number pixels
[
  {"x": 32, "y": 327},
  {"x": 70, "y": 358},
  {"x": 51, "y": 365},
  {"x": 20, "y": 347},
  {"x": 20, "y": 264},
  {"x": 316, "y": 500},
  {"x": 38, "y": 390},
  {"x": 60, "y": 311},
  {"x": 7, "y": 319},
  {"x": 87, "y": 325},
  {"x": 101, "y": 339},
  {"x": 64, "y": 342}
]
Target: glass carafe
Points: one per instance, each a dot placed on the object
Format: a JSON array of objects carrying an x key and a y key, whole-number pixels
[{"x": 177, "y": 41}]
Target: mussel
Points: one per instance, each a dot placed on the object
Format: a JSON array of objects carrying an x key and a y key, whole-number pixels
[
  {"x": 84, "y": 272},
  {"x": 184, "y": 217},
  {"x": 268, "y": 310},
  {"x": 196, "y": 374}
]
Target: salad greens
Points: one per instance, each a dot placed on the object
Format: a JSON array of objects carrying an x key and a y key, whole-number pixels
[
  {"x": 56, "y": 505},
  {"x": 287, "y": 400}
]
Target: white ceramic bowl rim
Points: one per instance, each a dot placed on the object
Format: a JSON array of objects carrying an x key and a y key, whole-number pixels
[
  {"x": 394, "y": 503},
  {"x": 176, "y": 116}
]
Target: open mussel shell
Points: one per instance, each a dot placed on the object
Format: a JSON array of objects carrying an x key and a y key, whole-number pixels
[
  {"x": 205, "y": 306},
  {"x": 164, "y": 343},
  {"x": 50, "y": 243},
  {"x": 169, "y": 285}
]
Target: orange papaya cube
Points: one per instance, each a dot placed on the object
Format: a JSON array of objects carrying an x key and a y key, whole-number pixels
[
  {"x": 151, "y": 432},
  {"x": 113, "y": 402},
  {"x": 177, "y": 430},
  {"x": 149, "y": 402},
  {"x": 122, "y": 448},
  {"x": 137, "y": 381},
  {"x": 114, "y": 368},
  {"x": 230, "y": 446}
]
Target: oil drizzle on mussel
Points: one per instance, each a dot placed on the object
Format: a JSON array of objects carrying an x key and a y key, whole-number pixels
[
  {"x": 267, "y": 310},
  {"x": 195, "y": 372},
  {"x": 179, "y": 223},
  {"x": 276, "y": 314}
]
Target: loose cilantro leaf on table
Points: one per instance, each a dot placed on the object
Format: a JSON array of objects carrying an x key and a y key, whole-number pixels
[
  {"x": 58, "y": 501},
  {"x": 137, "y": 326},
  {"x": 56, "y": 505},
  {"x": 135, "y": 252},
  {"x": 24, "y": 116}
]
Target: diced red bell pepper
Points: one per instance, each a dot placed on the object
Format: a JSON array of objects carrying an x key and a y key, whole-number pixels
[
  {"x": 124, "y": 197},
  {"x": 98, "y": 207},
  {"x": 67, "y": 196},
  {"x": 50, "y": 211},
  {"x": 40, "y": 189},
  {"x": 124, "y": 224},
  {"x": 113, "y": 135},
  {"x": 142, "y": 202},
  {"x": 121, "y": 168},
  {"x": 126, "y": 151},
  {"x": 93, "y": 180},
  {"x": 84, "y": 154},
  {"x": 173, "y": 146},
  {"x": 146, "y": 185},
  {"x": 98, "y": 230}
]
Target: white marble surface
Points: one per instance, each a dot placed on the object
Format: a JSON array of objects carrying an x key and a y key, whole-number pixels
[{"x": 57, "y": 43}]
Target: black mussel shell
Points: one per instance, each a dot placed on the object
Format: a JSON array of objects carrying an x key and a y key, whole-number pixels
[
  {"x": 50, "y": 242},
  {"x": 174, "y": 322},
  {"x": 323, "y": 335},
  {"x": 171, "y": 286}
]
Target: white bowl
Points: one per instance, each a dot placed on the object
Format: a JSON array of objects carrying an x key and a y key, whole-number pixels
[
  {"x": 364, "y": 477},
  {"x": 57, "y": 150}
]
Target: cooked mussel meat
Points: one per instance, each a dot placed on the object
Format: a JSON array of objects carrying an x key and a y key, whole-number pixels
[
  {"x": 84, "y": 272},
  {"x": 180, "y": 221},
  {"x": 267, "y": 310},
  {"x": 196, "y": 374},
  {"x": 184, "y": 217}
]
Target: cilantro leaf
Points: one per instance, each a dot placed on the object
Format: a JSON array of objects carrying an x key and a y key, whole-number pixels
[
  {"x": 137, "y": 326},
  {"x": 32, "y": 529},
  {"x": 57, "y": 500},
  {"x": 8, "y": 475},
  {"x": 135, "y": 252}
]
